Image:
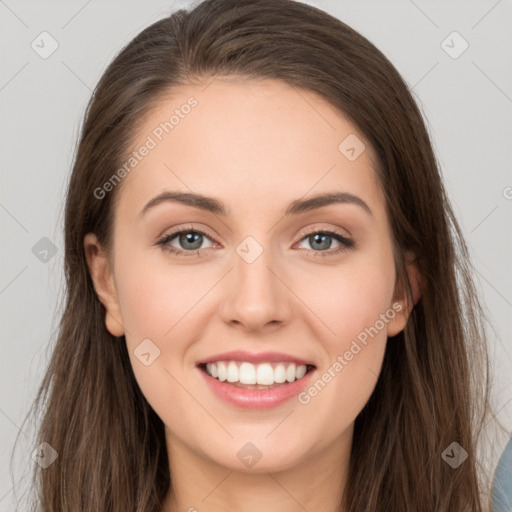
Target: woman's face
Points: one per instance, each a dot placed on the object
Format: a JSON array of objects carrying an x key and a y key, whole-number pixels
[{"x": 259, "y": 280}]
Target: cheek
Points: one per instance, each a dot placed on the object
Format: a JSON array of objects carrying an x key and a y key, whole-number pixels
[
  {"x": 147, "y": 308},
  {"x": 355, "y": 303},
  {"x": 155, "y": 297},
  {"x": 156, "y": 307},
  {"x": 357, "y": 315},
  {"x": 347, "y": 299},
  {"x": 165, "y": 304}
]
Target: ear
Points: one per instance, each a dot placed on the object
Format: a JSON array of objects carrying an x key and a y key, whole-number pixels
[
  {"x": 405, "y": 299},
  {"x": 103, "y": 280}
]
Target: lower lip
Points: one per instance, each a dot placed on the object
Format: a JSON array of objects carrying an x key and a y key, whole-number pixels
[{"x": 257, "y": 398}]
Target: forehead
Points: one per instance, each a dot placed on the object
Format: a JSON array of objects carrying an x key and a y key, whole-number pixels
[{"x": 253, "y": 142}]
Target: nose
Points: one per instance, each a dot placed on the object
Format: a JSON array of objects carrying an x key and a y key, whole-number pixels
[{"x": 256, "y": 295}]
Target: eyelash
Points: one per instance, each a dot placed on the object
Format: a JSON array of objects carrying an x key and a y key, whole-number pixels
[{"x": 346, "y": 243}]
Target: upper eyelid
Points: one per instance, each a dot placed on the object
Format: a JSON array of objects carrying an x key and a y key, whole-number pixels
[
  {"x": 178, "y": 231},
  {"x": 323, "y": 230}
]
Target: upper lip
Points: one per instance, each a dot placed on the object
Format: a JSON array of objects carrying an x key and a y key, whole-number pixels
[{"x": 255, "y": 358}]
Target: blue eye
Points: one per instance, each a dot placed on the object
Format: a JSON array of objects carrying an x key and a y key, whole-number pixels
[
  {"x": 192, "y": 239},
  {"x": 323, "y": 240}
]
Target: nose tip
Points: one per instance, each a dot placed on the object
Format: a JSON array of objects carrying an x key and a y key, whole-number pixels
[{"x": 255, "y": 297}]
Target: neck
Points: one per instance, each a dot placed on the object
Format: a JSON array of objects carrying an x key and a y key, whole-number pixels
[{"x": 314, "y": 483}]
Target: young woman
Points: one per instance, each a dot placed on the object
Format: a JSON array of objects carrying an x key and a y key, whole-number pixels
[{"x": 269, "y": 300}]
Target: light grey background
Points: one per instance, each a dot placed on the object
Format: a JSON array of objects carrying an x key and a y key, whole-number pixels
[{"x": 466, "y": 100}]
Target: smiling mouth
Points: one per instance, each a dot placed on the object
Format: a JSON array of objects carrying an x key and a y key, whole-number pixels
[{"x": 256, "y": 377}]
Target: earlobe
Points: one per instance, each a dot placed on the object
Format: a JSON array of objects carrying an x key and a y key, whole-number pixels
[
  {"x": 102, "y": 278},
  {"x": 408, "y": 298}
]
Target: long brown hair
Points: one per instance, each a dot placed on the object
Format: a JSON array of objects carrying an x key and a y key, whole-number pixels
[{"x": 433, "y": 389}]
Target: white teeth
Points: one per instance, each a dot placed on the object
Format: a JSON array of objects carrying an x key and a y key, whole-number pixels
[
  {"x": 279, "y": 373},
  {"x": 247, "y": 373},
  {"x": 300, "y": 371},
  {"x": 212, "y": 369},
  {"x": 290, "y": 373},
  {"x": 232, "y": 372},
  {"x": 265, "y": 374},
  {"x": 221, "y": 369}
]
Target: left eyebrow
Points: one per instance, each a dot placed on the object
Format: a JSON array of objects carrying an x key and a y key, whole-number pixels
[
  {"x": 217, "y": 207},
  {"x": 301, "y": 206}
]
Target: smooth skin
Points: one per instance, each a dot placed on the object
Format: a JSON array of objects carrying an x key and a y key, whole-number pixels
[{"x": 256, "y": 146}]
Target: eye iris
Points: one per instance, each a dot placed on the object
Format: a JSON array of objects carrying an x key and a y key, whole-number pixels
[
  {"x": 319, "y": 237},
  {"x": 191, "y": 237}
]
